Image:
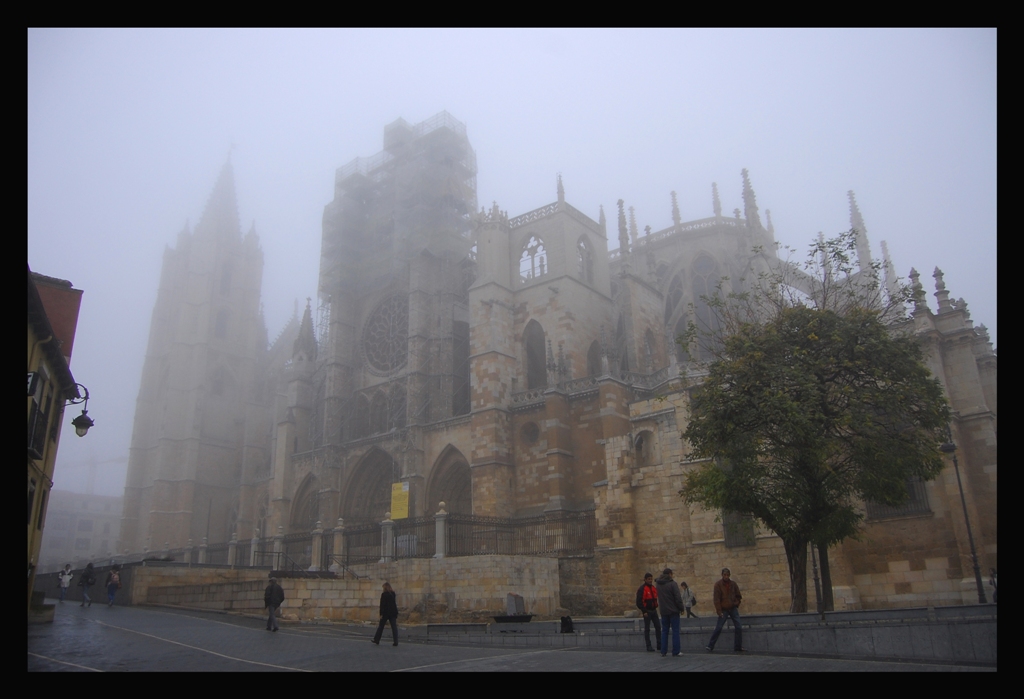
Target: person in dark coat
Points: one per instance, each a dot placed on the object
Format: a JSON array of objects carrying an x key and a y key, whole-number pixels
[
  {"x": 388, "y": 614},
  {"x": 727, "y": 606},
  {"x": 273, "y": 598},
  {"x": 647, "y": 603},
  {"x": 670, "y": 600},
  {"x": 87, "y": 580}
]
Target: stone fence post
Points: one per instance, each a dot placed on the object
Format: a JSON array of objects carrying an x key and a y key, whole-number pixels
[
  {"x": 387, "y": 539},
  {"x": 188, "y": 552},
  {"x": 278, "y": 548},
  {"x": 232, "y": 548},
  {"x": 253, "y": 545},
  {"x": 339, "y": 546},
  {"x": 316, "y": 548},
  {"x": 440, "y": 532},
  {"x": 202, "y": 550}
]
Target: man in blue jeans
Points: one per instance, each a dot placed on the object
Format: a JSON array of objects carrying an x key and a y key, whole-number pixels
[
  {"x": 727, "y": 605},
  {"x": 670, "y": 601}
]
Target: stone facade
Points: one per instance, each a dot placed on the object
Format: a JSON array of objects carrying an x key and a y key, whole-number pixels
[{"x": 508, "y": 367}]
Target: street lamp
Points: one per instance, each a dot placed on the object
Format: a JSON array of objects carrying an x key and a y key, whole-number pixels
[
  {"x": 83, "y": 422},
  {"x": 950, "y": 448}
]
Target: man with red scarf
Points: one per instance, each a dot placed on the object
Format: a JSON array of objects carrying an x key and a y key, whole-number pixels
[
  {"x": 727, "y": 605},
  {"x": 647, "y": 603}
]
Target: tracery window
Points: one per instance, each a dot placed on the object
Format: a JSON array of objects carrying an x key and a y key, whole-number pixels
[
  {"x": 585, "y": 261},
  {"x": 533, "y": 261},
  {"x": 536, "y": 369},
  {"x": 705, "y": 284},
  {"x": 385, "y": 335}
]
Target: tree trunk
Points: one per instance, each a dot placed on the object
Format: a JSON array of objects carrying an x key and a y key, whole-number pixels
[
  {"x": 828, "y": 602},
  {"x": 796, "y": 558}
]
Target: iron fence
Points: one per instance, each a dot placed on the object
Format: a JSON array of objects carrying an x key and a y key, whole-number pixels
[
  {"x": 298, "y": 550},
  {"x": 414, "y": 538},
  {"x": 561, "y": 533},
  {"x": 217, "y": 554},
  {"x": 362, "y": 544}
]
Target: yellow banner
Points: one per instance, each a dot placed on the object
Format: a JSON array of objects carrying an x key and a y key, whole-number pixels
[{"x": 399, "y": 500}]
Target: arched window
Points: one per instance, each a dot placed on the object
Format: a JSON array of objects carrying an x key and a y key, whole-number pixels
[
  {"x": 674, "y": 296},
  {"x": 396, "y": 406},
  {"x": 536, "y": 370},
  {"x": 225, "y": 279},
  {"x": 705, "y": 283},
  {"x": 533, "y": 261},
  {"x": 361, "y": 417},
  {"x": 379, "y": 413},
  {"x": 594, "y": 359},
  {"x": 585, "y": 260}
]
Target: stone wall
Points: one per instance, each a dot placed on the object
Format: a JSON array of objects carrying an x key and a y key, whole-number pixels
[{"x": 469, "y": 588}]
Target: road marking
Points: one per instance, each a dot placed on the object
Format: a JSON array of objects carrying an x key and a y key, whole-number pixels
[
  {"x": 204, "y": 650},
  {"x": 489, "y": 657},
  {"x": 62, "y": 662}
]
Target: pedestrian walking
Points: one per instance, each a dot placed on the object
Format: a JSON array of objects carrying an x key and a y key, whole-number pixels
[
  {"x": 670, "y": 601},
  {"x": 727, "y": 605},
  {"x": 113, "y": 584},
  {"x": 87, "y": 580},
  {"x": 647, "y": 603},
  {"x": 273, "y": 598},
  {"x": 689, "y": 600},
  {"x": 388, "y": 615},
  {"x": 65, "y": 580}
]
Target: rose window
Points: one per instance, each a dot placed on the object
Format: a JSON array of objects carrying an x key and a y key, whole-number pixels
[{"x": 385, "y": 336}]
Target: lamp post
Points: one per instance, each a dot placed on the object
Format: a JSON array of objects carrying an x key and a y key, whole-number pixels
[
  {"x": 83, "y": 422},
  {"x": 950, "y": 448}
]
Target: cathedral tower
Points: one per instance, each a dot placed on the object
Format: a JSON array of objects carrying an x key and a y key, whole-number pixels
[{"x": 190, "y": 436}]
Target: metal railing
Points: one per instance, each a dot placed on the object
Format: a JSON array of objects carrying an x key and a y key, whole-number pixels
[{"x": 414, "y": 538}]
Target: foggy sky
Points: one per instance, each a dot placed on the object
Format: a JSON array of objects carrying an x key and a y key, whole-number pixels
[{"x": 128, "y": 129}]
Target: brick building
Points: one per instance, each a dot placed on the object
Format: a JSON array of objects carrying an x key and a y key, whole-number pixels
[{"x": 512, "y": 368}]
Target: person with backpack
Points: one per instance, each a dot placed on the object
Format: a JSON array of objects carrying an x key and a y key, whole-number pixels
[
  {"x": 647, "y": 603},
  {"x": 689, "y": 600},
  {"x": 65, "y": 580},
  {"x": 113, "y": 584},
  {"x": 87, "y": 580}
]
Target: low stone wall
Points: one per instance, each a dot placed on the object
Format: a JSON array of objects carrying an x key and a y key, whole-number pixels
[
  {"x": 962, "y": 635},
  {"x": 469, "y": 588}
]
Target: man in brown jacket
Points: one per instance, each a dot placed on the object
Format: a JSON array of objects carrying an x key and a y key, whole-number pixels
[{"x": 727, "y": 605}]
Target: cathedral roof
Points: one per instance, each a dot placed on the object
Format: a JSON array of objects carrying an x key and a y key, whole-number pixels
[{"x": 221, "y": 213}]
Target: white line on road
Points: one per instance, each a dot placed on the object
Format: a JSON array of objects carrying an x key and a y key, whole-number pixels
[
  {"x": 203, "y": 650},
  {"x": 63, "y": 662},
  {"x": 489, "y": 657}
]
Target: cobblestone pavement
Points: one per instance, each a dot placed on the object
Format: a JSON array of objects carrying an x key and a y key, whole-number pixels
[{"x": 141, "y": 639}]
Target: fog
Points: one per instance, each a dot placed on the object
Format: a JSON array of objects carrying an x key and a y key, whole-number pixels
[{"x": 128, "y": 130}]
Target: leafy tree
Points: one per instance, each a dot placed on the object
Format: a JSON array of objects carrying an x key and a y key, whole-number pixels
[{"x": 814, "y": 401}]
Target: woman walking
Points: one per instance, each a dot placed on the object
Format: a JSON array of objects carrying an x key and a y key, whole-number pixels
[
  {"x": 113, "y": 584},
  {"x": 689, "y": 599},
  {"x": 388, "y": 614},
  {"x": 65, "y": 580}
]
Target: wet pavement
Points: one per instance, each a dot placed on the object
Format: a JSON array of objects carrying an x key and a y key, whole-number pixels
[{"x": 155, "y": 639}]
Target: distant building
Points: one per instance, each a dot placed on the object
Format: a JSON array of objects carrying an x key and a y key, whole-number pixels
[
  {"x": 512, "y": 368},
  {"x": 53, "y": 307},
  {"x": 80, "y": 528}
]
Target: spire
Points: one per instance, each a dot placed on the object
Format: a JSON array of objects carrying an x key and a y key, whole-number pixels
[
  {"x": 771, "y": 228},
  {"x": 632, "y": 226},
  {"x": 920, "y": 305},
  {"x": 889, "y": 272},
  {"x": 676, "y": 219},
  {"x": 749, "y": 202},
  {"x": 601, "y": 221},
  {"x": 561, "y": 190},
  {"x": 857, "y": 224},
  {"x": 221, "y": 213},
  {"x": 623, "y": 238},
  {"x": 715, "y": 201},
  {"x": 940, "y": 292},
  {"x": 306, "y": 341}
]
